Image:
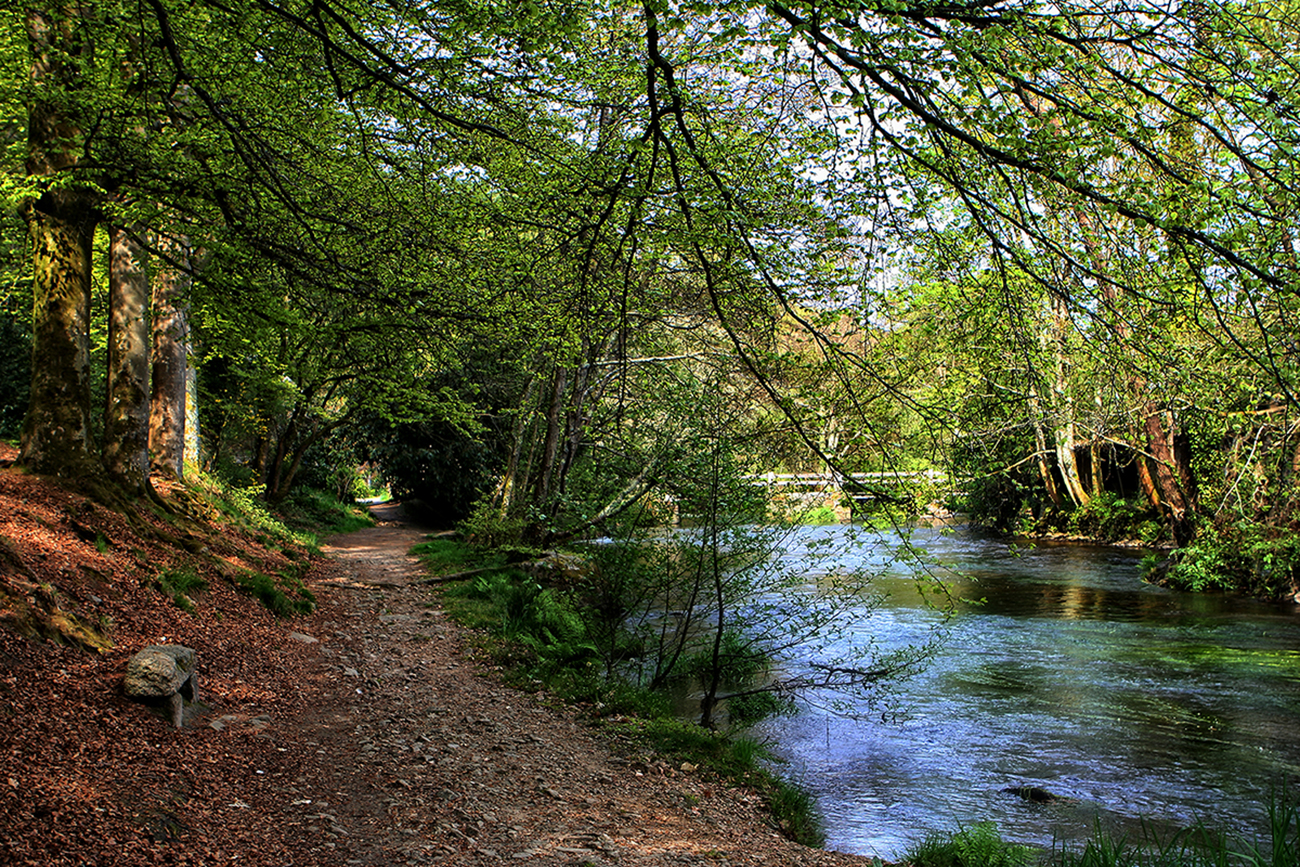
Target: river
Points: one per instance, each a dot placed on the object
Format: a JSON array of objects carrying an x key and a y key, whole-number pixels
[{"x": 1135, "y": 703}]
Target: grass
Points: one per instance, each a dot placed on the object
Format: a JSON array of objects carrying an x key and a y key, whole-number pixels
[
  {"x": 180, "y": 585},
  {"x": 444, "y": 556},
  {"x": 979, "y": 845},
  {"x": 1198, "y": 846},
  {"x": 283, "y": 595},
  {"x": 305, "y": 519},
  {"x": 317, "y": 515}
]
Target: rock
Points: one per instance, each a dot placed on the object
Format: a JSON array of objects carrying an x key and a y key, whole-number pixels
[
  {"x": 1034, "y": 794},
  {"x": 164, "y": 671},
  {"x": 221, "y": 722},
  {"x": 303, "y": 637},
  {"x": 558, "y": 567}
]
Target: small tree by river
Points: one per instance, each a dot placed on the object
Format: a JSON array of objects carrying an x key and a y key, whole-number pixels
[{"x": 727, "y": 600}]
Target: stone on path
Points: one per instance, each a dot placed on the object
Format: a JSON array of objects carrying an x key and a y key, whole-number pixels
[{"x": 164, "y": 671}]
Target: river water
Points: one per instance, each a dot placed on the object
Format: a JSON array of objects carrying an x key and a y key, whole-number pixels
[{"x": 1134, "y": 703}]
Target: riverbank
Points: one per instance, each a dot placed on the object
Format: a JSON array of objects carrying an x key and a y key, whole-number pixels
[
  {"x": 363, "y": 733},
  {"x": 472, "y": 770}
]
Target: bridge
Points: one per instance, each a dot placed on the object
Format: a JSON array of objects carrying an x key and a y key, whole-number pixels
[{"x": 845, "y": 493}]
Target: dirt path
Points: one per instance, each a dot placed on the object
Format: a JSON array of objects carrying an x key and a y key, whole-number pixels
[{"x": 413, "y": 754}]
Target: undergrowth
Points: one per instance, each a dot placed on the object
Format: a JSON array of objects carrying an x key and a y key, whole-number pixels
[{"x": 1241, "y": 557}]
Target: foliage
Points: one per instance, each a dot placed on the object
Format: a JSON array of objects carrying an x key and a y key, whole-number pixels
[
  {"x": 332, "y": 465},
  {"x": 1241, "y": 556},
  {"x": 445, "y": 468},
  {"x": 1111, "y": 518},
  {"x": 15, "y": 373},
  {"x": 916, "y": 241},
  {"x": 979, "y": 845}
]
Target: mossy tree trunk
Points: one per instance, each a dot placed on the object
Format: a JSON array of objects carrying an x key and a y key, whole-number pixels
[
  {"x": 61, "y": 226},
  {"x": 126, "y": 416}
]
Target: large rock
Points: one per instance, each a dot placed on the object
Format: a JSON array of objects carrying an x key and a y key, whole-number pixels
[{"x": 164, "y": 671}]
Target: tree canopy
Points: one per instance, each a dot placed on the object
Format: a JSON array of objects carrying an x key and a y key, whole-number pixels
[{"x": 1046, "y": 247}]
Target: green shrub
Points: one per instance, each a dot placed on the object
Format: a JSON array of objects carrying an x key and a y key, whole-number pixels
[
  {"x": 609, "y": 698},
  {"x": 487, "y": 528},
  {"x": 1242, "y": 557},
  {"x": 818, "y": 517},
  {"x": 750, "y": 708},
  {"x": 283, "y": 595},
  {"x": 541, "y": 619},
  {"x": 738, "y": 660}
]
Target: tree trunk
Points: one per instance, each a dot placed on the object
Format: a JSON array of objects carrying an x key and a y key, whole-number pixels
[
  {"x": 192, "y": 454},
  {"x": 1094, "y": 471},
  {"x": 1040, "y": 446},
  {"x": 1145, "y": 479},
  {"x": 709, "y": 701},
  {"x": 126, "y": 416},
  {"x": 1172, "y": 475},
  {"x": 61, "y": 224},
  {"x": 505, "y": 493},
  {"x": 550, "y": 448},
  {"x": 170, "y": 338},
  {"x": 1065, "y": 429},
  {"x": 275, "y": 471}
]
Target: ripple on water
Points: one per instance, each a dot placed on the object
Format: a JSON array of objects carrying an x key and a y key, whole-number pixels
[{"x": 1134, "y": 702}]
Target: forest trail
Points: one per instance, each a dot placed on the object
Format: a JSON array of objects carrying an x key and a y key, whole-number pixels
[
  {"x": 417, "y": 754},
  {"x": 378, "y": 556}
]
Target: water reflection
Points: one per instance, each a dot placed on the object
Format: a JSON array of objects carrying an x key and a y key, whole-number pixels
[{"x": 1061, "y": 669}]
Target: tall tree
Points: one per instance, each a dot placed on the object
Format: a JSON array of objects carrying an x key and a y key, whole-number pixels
[
  {"x": 61, "y": 215},
  {"x": 126, "y": 416},
  {"x": 169, "y": 356}
]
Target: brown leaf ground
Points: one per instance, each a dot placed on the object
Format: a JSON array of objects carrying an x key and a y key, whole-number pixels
[{"x": 363, "y": 734}]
